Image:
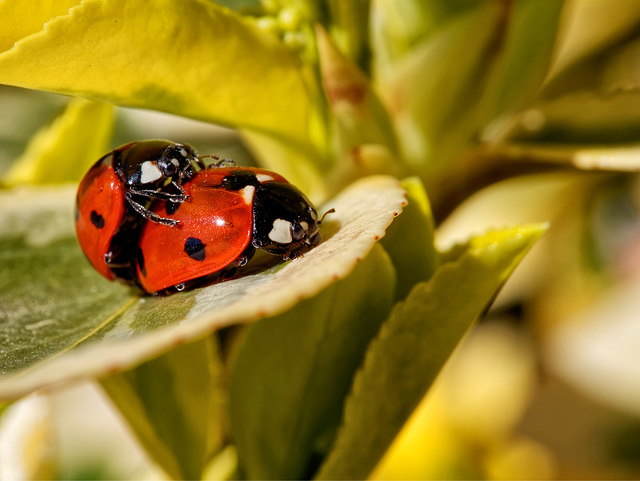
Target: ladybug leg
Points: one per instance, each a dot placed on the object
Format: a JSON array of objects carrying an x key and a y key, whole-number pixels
[
  {"x": 147, "y": 214},
  {"x": 293, "y": 253},
  {"x": 154, "y": 194}
]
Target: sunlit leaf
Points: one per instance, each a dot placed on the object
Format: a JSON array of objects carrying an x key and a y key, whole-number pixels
[
  {"x": 415, "y": 342},
  {"x": 291, "y": 373},
  {"x": 173, "y": 404},
  {"x": 192, "y": 58},
  {"x": 17, "y": 25},
  {"x": 63, "y": 151},
  {"x": 61, "y": 320}
]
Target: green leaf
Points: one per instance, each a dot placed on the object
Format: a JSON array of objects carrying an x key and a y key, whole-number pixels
[
  {"x": 64, "y": 151},
  {"x": 173, "y": 404},
  {"x": 59, "y": 320},
  {"x": 349, "y": 27},
  {"x": 525, "y": 55},
  {"x": 596, "y": 101},
  {"x": 410, "y": 240},
  {"x": 498, "y": 63},
  {"x": 415, "y": 342},
  {"x": 401, "y": 24},
  {"x": 290, "y": 374},
  {"x": 191, "y": 58}
]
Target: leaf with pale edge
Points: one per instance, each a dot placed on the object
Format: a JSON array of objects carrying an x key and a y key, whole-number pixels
[
  {"x": 61, "y": 320},
  {"x": 413, "y": 345}
]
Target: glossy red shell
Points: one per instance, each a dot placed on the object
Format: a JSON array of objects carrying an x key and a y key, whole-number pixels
[
  {"x": 100, "y": 210},
  {"x": 218, "y": 220}
]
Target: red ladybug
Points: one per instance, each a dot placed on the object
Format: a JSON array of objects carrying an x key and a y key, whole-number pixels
[
  {"x": 114, "y": 196},
  {"x": 228, "y": 213}
]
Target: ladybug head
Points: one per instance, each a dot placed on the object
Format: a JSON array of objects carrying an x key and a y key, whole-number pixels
[
  {"x": 177, "y": 161},
  {"x": 285, "y": 221},
  {"x": 153, "y": 163}
]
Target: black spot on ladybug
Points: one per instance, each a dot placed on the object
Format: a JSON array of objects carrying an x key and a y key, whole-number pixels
[
  {"x": 194, "y": 249},
  {"x": 171, "y": 207},
  {"x": 239, "y": 179},
  {"x": 97, "y": 220},
  {"x": 140, "y": 261}
]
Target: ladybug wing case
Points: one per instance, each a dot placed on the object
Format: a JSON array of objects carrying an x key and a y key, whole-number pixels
[
  {"x": 215, "y": 227},
  {"x": 99, "y": 213}
]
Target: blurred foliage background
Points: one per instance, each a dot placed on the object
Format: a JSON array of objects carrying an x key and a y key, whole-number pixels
[{"x": 547, "y": 386}]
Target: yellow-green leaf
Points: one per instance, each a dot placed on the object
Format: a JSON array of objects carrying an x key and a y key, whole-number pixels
[
  {"x": 173, "y": 403},
  {"x": 415, "y": 342},
  {"x": 192, "y": 58},
  {"x": 63, "y": 151},
  {"x": 410, "y": 240}
]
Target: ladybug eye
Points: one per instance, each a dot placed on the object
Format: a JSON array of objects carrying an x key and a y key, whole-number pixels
[
  {"x": 297, "y": 231},
  {"x": 169, "y": 167}
]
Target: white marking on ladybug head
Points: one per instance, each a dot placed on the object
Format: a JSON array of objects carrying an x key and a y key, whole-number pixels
[
  {"x": 281, "y": 232},
  {"x": 183, "y": 152},
  {"x": 263, "y": 178},
  {"x": 149, "y": 172},
  {"x": 247, "y": 194},
  {"x": 175, "y": 162},
  {"x": 304, "y": 225}
]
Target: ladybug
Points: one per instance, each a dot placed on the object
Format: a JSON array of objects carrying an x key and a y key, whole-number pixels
[
  {"x": 228, "y": 213},
  {"x": 114, "y": 196}
]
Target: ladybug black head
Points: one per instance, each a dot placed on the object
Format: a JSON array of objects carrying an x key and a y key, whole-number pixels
[
  {"x": 285, "y": 221},
  {"x": 177, "y": 162},
  {"x": 152, "y": 163}
]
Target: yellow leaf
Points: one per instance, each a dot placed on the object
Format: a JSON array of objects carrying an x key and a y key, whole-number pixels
[
  {"x": 64, "y": 150},
  {"x": 190, "y": 57}
]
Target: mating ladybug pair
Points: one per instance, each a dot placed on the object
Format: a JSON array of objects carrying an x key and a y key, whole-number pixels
[{"x": 153, "y": 215}]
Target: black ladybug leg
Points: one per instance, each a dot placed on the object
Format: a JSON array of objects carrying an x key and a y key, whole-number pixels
[
  {"x": 147, "y": 214},
  {"x": 154, "y": 194}
]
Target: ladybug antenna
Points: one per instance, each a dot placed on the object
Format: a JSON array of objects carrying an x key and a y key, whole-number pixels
[
  {"x": 211, "y": 156},
  {"x": 330, "y": 211}
]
